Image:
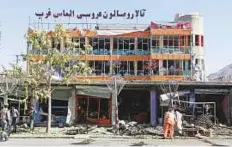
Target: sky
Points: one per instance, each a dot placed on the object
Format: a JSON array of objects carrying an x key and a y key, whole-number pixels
[{"x": 14, "y": 17}]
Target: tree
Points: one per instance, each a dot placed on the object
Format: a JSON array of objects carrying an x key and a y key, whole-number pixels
[
  {"x": 9, "y": 81},
  {"x": 42, "y": 70}
]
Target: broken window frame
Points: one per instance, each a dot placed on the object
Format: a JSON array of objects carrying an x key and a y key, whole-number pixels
[
  {"x": 101, "y": 45},
  {"x": 141, "y": 69},
  {"x": 153, "y": 67},
  {"x": 102, "y": 70},
  {"x": 186, "y": 67},
  {"x": 155, "y": 44},
  {"x": 128, "y": 70},
  {"x": 81, "y": 42},
  {"x": 143, "y": 45},
  {"x": 124, "y": 46},
  {"x": 197, "y": 40}
]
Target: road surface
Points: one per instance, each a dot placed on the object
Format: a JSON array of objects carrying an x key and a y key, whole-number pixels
[{"x": 108, "y": 142}]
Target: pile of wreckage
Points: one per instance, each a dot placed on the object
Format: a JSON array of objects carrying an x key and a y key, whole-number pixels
[
  {"x": 128, "y": 129},
  {"x": 202, "y": 125}
]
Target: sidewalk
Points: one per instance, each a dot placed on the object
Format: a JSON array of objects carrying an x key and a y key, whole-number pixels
[{"x": 61, "y": 133}]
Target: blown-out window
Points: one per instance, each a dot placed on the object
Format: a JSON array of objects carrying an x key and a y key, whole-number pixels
[{"x": 197, "y": 40}]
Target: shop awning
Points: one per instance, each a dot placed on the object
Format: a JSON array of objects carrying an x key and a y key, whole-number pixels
[{"x": 94, "y": 91}]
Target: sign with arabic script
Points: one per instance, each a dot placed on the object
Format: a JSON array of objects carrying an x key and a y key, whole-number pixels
[{"x": 98, "y": 15}]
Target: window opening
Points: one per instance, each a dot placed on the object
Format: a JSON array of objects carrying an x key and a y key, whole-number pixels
[
  {"x": 81, "y": 42},
  {"x": 202, "y": 40},
  {"x": 197, "y": 40},
  {"x": 124, "y": 46},
  {"x": 143, "y": 46},
  {"x": 101, "y": 46},
  {"x": 171, "y": 67},
  {"x": 140, "y": 70},
  {"x": 155, "y": 44}
]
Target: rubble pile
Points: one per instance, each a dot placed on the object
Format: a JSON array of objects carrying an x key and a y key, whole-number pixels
[
  {"x": 80, "y": 129},
  {"x": 222, "y": 130},
  {"x": 129, "y": 129},
  {"x": 132, "y": 129},
  {"x": 204, "y": 121}
]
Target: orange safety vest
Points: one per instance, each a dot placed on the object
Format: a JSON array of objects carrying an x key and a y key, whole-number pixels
[{"x": 170, "y": 118}]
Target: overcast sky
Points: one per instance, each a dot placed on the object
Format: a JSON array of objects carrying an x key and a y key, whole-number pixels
[{"x": 15, "y": 14}]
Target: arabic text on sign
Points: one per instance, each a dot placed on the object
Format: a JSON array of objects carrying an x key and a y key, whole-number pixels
[{"x": 98, "y": 15}]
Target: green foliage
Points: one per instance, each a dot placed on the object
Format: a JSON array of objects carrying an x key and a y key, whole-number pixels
[
  {"x": 40, "y": 75},
  {"x": 38, "y": 79},
  {"x": 39, "y": 39}
]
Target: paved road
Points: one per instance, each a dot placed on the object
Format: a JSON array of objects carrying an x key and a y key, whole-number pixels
[{"x": 107, "y": 142}]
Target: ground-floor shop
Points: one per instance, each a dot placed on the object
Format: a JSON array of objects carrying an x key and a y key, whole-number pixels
[{"x": 93, "y": 104}]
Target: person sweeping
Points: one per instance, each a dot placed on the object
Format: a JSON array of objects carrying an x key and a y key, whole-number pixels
[{"x": 169, "y": 123}]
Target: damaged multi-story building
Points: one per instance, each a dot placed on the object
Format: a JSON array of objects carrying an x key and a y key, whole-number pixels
[{"x": 145, "y": 56}]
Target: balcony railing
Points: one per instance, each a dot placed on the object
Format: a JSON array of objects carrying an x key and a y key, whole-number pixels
[
  {"x": 143, "y": 73},
  {"x": 171, "y": 51},
  {"x": 122, "y": 52}
]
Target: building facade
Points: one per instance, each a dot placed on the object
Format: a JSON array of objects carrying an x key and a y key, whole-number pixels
[{"x": 156, "y": 52}]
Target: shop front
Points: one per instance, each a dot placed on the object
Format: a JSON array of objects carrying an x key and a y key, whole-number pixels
[{"x": 93, "y": 105}]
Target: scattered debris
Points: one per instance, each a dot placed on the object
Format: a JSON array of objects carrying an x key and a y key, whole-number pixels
[
  {"x": 86, "y": 141},
  {"x": 207, "y": 140},
  {"x": 129, "y": 129},
  {"x": 204, "y": 121},
  {"x": 141, "y": 143},
  {"x": 80, "y": 129}
]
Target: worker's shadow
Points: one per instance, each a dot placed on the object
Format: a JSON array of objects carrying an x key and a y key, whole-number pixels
[{"x": 221, "y": 145}]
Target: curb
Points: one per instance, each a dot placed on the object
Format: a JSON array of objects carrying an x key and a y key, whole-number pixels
[
  {"x": 37, "y": 137},
  {"x": 84, "y": 136},
  {"x": 93, "y": 137}
]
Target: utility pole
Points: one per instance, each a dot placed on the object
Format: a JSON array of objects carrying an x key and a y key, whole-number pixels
[{"x": 17, "y": 59}]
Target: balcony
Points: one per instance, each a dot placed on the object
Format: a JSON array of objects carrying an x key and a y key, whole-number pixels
[
  {"x": 45, "y": 52},
  {"x": 121, "y": 52},
  {"x": 162, "y": 52},
  {"x": 170, "y": 51},
  {"x": 141, "y": 73},
  {"x": 157, "y": 78},
  {"x": 172, "y": 31}
]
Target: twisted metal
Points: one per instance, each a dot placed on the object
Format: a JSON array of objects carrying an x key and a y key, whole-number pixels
[{"x": 170, "y": 88}]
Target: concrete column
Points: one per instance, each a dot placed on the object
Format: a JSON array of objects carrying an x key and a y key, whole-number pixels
[
  {"x": 161, "y": 42},
  {"x": 230, "y": 107},
  {"x": 136, "y": 52},
  {"x": 113, "y": 110},
  {"x": 161, "y": 72},
  {"x": 136, "y": 45},
  {"x": 73, "y": 106},
  {"x": 192, "y": 98},
  {"x": 135, "y": 67},
  {"x": 111, "y": 53},
  {"x": 153, "y": 107},
  {"x": 225, "y": 108}
]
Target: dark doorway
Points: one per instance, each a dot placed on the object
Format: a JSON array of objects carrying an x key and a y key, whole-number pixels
[{"x": 134, "y": 105}]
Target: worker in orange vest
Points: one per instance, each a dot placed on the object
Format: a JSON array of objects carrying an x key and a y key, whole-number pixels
[{"x": 169, "y": 123}]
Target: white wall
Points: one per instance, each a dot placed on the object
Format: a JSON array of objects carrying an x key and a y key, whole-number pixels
[{"x": 197, "y": 24}]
